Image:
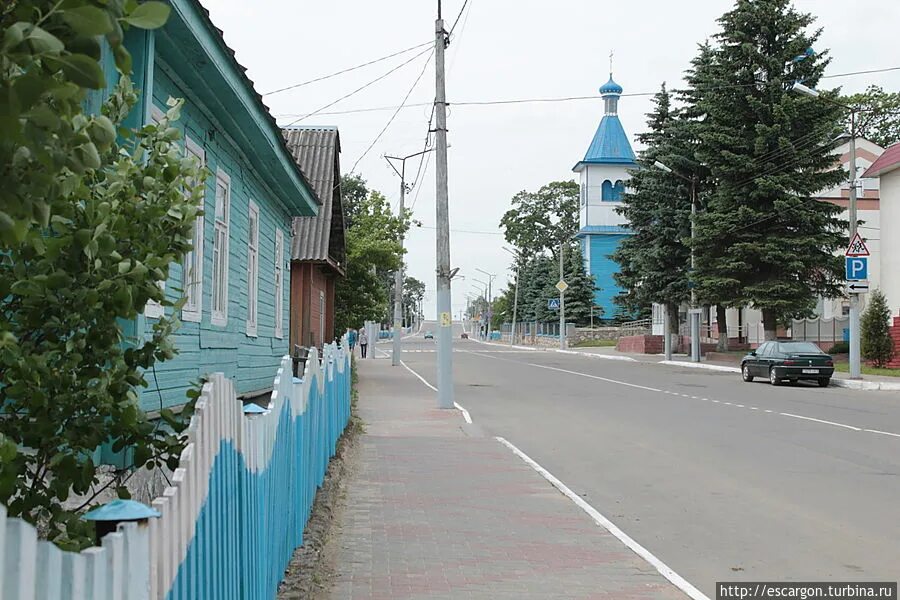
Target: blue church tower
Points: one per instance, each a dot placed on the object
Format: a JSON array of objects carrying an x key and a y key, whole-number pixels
[{"x": 604, "y": 173}]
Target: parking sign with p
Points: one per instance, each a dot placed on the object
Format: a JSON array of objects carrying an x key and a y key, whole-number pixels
[{"x": 857, "y": 268}]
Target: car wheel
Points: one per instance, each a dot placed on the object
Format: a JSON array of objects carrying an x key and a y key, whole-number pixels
[
  {"x": 773, "y": 378},
  {"x": 745, "y": 374},
  {"x": 824, "y": 382}
]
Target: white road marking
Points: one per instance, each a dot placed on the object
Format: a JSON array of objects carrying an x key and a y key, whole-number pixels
[
  {"x": 422, "y": 379},
  {"x": 663, "y": 569},
  {"x": 458, "y": 407},
  {"x": 464, "y": 412},
  {"x": 821, "y": 421},
  {"x": 642, "y": 387},
  {"x": 634, "y": 385},
  {"x": 882, "y": 432}
]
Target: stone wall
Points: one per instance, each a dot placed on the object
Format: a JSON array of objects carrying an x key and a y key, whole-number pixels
[
  {"x": 640, "y": 344},
  {"x": 582, "y": 334}
]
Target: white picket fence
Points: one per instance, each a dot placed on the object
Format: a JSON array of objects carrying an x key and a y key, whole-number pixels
[{"x": 235, "y": 511}]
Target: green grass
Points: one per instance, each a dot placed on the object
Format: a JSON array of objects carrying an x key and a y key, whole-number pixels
[
  {"x": 867, "y": 370},
  {"x": 595, "y": 344}
]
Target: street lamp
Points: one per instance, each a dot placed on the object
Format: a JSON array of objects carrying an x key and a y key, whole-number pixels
[
  {"x": 512, "y": 331},
  {"x": 694, "y": 312},
  {"x": 490, "y": 298},
  {"x": 855, "y": 370},
  {"x": 398, "y": 276}
]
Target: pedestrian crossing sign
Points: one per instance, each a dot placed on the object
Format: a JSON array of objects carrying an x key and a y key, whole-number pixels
[{"x": 553, "y": 304}]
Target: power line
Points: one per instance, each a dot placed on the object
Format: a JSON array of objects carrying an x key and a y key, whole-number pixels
[
  {"x": 396, "y": 112},
  {"x": 577, "y": 98},
  {"x": 341, "y": 72},
  {"x": 458, "y": 16},
  {"x": 359, "y": 89},
  {"x": 463, "y": 230}
]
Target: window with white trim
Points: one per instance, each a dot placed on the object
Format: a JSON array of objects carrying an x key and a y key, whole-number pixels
[
  {"x": 154, "y": 309},
  {"x": 253, "y": 269},
  {"x": 220, "y": 249},
  {"x": 192, "y": 273},
  {"x": 279, "y": 283}
]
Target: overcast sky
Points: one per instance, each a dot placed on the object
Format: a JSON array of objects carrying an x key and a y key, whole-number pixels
[{"x": 502, "y": 49}]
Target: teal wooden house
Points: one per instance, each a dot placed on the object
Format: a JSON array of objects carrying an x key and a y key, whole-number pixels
[{"x": 237, "y": 279}]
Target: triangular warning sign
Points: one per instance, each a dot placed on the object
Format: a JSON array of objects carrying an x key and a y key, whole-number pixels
[{"x": 857, "y": 247}]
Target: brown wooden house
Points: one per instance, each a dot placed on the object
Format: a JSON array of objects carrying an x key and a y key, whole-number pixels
[{"x": 317, "y": 245}]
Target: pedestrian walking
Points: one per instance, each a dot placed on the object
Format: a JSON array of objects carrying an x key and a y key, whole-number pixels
[
  {"x": 351, "y": 335},
  {"x": 363, "y": 342}
]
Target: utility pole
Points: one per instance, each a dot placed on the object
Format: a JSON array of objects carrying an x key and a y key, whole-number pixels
[
  {"x": 512, "y": 331},
  {"x": 854, "y": 298},
  {"x": 562, "y": 296},
  {"x": 490, "y": 299},
  {"x": 442, "y": 222},
  {"x": 398, "y": 276}
]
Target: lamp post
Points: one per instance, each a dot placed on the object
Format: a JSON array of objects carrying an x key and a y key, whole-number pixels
[
  {"x": 855, "y": 367},
  {"x": 398, "y": 276},
  {"x": 694, "y": 312},
  {"x": 512, "y": 331},
  {"x": 490, "y": 298},
  {"x": 484, "y": 295}
]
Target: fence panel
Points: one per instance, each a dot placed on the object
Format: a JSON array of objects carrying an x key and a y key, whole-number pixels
[{"x": 234, "y": 512}]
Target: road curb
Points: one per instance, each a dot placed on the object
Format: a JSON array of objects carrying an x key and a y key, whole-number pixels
[
  {"x": 590, "y": 355},
  {"x": 693, "y": 365}
]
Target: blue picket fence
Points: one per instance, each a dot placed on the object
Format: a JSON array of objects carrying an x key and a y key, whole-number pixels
[{"x": 234, "y": 514}]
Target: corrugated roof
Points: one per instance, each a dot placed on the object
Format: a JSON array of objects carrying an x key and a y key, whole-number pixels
[
  {"x": 321, "y": 238},
  {"x": 610, "y": 144},
  {"x": 888, "y": 161}
]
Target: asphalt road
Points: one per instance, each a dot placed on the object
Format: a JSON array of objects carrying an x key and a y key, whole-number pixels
[{"x": 720, "y": 479}]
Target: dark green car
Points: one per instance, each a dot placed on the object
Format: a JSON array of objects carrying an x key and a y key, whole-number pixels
[{"x": 793, "y": 361}]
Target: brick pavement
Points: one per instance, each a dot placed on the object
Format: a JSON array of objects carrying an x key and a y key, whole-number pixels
[{"x": 433, "y": 511}]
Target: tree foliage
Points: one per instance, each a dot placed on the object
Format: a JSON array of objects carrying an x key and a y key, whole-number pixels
[
  {"x": 654, "y": 261},
  {"x": 374, "y": 252},
  {"x": 875, "y": 324},
  {"x": 537, "y": 221},
  {"x": 879, "y": 118},
  {"x": 91, "y": 217},
  {"x": 413, "y": 295},
  {"x": 763, "y": 239}
]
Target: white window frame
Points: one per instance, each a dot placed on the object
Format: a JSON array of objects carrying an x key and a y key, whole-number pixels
[
  {"x": 154, "y": 309},
  {"x": 252, "y": 270},
  {"x": 279, "y": 283},
  {"x": 193, "y": 260},
  {"x": 221, "y": 235}
]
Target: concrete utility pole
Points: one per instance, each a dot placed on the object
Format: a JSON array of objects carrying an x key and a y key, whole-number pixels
[
  {"x": 442, "y": 223},
  {"x": 562, "y": 297},
  {"x": 855, "y": 367},
  {"x": 694, "y": 312},
  {"x": 490, "y": 299},
  {"x": 398, "y": 276}
]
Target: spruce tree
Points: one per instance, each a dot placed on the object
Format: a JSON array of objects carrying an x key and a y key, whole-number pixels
[
  {"x": 655, "y": 259},
  {"x": 877, "y": 344},
  {"x": 580, "y": 295},
  {"x": 763, "y": 239}
]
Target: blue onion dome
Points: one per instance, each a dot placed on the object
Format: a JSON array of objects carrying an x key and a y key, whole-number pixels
[{"x": 610, "y": 87}]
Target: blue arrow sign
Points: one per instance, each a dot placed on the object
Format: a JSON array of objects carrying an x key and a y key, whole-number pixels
[
  {"x": 553, "y": 303},
  {"x": 857, "y": 268}
]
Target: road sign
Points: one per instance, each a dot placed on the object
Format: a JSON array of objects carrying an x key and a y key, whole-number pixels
[
  {"x": 857, "y": 287},
  {"x": 562, "y": 286},
  {"x": 857, "y": 268},
  {"x": 553, "y": 303},
  {"x": 857, "y": 247}
]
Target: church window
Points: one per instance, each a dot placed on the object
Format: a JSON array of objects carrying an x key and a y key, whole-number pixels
[
  {"x": 606, "y": 191},
  {"x": 619, "y": 191}
]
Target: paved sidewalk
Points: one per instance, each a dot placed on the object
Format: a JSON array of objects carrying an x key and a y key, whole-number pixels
[{"x": 437, "y": 512}]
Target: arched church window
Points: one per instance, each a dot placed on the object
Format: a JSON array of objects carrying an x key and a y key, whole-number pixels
[
  {"x": 619, "y": 191},
  {"x": 606, "y": 191}
]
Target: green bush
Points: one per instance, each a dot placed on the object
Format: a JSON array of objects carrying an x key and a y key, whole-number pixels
[
  {"x": 876, "y": 343},
  {"x": 840, "y": 348}
]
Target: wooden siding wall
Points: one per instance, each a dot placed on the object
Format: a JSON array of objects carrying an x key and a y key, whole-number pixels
[
  {"x": 204, "y": 348},
  {"x": 307, "y": 281}
]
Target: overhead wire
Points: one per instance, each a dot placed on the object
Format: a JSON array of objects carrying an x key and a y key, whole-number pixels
[
  {"x": 347, "y": 70},
  {"x": 359, "y": 89},
  {"x": 577, "y": 98},
  {"x": 396, "y": 112}
]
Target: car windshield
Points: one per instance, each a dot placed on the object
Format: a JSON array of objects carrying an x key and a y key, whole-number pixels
[{"x": 799, "y": 348}]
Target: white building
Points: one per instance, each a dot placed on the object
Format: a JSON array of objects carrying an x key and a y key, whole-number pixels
[{"x": 887, "y": 171}]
